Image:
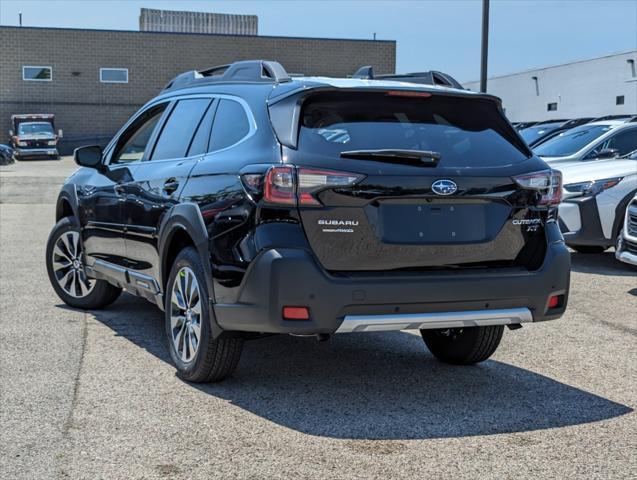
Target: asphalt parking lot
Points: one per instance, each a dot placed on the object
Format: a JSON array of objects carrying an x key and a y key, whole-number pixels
[{"x": 93, "y": 394}]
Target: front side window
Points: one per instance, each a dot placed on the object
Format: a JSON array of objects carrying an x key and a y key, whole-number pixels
[
  {"x": 624, "y": 142},
  {"x": 132, "y": 144},
  {"x": 571, "y": 141},
  {"x": 114, "y": 75},
  {"x": 231, "y": 124},
  {"x": 179, "y": 129},
  {"x": 37, "y": 74}
]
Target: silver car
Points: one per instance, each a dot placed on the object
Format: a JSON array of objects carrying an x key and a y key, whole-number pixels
[{"x": 592, "y": 141}]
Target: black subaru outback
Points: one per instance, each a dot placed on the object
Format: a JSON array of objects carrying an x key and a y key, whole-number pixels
[{"x": 244, "y": 203}]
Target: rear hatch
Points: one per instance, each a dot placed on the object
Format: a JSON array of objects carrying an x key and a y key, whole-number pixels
[{"x": 397, "y": 180}]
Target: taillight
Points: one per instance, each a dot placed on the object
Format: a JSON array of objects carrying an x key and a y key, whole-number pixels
[
  {"x": 286, "y": 185},
  {"x": 279, "y": 186},
  {"x": 548, "y": 183},
  {"x": 312, "y": 181}
]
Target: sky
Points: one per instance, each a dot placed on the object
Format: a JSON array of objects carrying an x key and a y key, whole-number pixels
[{"x": 430, "y": 35}]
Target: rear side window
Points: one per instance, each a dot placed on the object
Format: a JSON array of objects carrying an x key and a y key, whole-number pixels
[
  {"x": 200, "y": 141},
  {"x": 231, "y": 124},
  {"x": 178, "y": 131},
  {"x": 466, "y": 132}
]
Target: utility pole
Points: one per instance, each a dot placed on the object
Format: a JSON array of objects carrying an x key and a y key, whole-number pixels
[
  {"x": 20, "y": 18},
  {"x": 374, "y": 35},
  {"x": 485, "y": 46}
]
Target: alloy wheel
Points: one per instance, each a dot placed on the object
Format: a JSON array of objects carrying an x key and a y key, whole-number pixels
[
  {"x": 185, "y": 315},
  {"x": 68, "y": 266}
]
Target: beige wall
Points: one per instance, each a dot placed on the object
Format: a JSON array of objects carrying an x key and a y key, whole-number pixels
[
  {"x": 588, "y": 88},
  {"x": 85, "y": 107}
]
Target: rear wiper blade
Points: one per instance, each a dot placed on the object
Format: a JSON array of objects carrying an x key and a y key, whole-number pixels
[{"x": 412, "y": 157}]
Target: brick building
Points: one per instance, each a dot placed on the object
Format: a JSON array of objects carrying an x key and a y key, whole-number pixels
[{"x": 93, "y": 80}]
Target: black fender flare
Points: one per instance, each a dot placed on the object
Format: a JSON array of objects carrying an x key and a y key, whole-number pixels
[
  {"x": 187, "y": 217},
  {"x": 67, "y": 194}
]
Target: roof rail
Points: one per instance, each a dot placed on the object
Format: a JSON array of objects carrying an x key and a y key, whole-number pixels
[
  {"x": 431, "y": 77},
  {"x": 626, "y": 116},
  {"x": 261, "y": 71},
  {"x": 576, "y": 122},
  {"x": 553, "y": 120}
]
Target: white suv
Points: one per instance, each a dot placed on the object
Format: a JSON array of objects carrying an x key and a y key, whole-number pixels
[
  {"x": 592, "y": 141},
  {"x": 595, "y": 197}
]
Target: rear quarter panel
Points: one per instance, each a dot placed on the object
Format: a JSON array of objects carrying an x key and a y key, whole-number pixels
[{"x": 228, "y": 213}]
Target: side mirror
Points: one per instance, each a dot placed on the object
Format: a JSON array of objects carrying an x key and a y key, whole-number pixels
[
  {"x": 60, "y": 133},
  {"x": 90, "y": 156},
  {"x": 608, "y": 153}
]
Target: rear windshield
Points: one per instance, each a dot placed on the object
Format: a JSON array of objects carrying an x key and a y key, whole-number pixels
[
  {"x": 571, "y": 141},
  {"x": 35, "y": 128},
  {"x": 465, "y": 132}
]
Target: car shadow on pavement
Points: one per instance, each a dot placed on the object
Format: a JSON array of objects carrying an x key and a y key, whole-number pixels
[
  {"x": 375, "y": 385},
  {"x": 601, "y": 264}
]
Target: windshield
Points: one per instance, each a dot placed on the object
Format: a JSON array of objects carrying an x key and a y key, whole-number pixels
[
  {"x": 35, "y": 128},
  {"x": 531, "y": 134},
  {"x": 571, "y": 141},
  {"x": 466, "y": 132}
]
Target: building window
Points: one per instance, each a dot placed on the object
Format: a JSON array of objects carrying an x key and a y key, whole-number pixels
[
  {"x": 37, "y": 74},
  {"x": 619, "y": 100},
  {"x": 552, "y": 107},
  {"x": 114, "y": 75}
]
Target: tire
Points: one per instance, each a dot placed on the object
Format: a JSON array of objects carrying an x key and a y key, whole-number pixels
[
  {"x": 65, "y": 266},
  {"x": 463, "y": 346},
  {"x": 197, "y": 356},
  {"x": 588, "y": 248}
]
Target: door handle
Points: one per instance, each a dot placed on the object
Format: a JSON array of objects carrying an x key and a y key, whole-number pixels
[{"x": 171, "y": 185}]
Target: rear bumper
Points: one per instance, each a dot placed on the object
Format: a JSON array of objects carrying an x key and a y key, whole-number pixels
[
  {"x": 292, "y": 277},
  {"x": 421, "y": 321}
]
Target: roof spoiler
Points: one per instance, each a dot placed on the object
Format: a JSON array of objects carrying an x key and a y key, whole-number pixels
[
  {"x": 261, "y": 71},
  {"x": 431, "y": 77}
]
